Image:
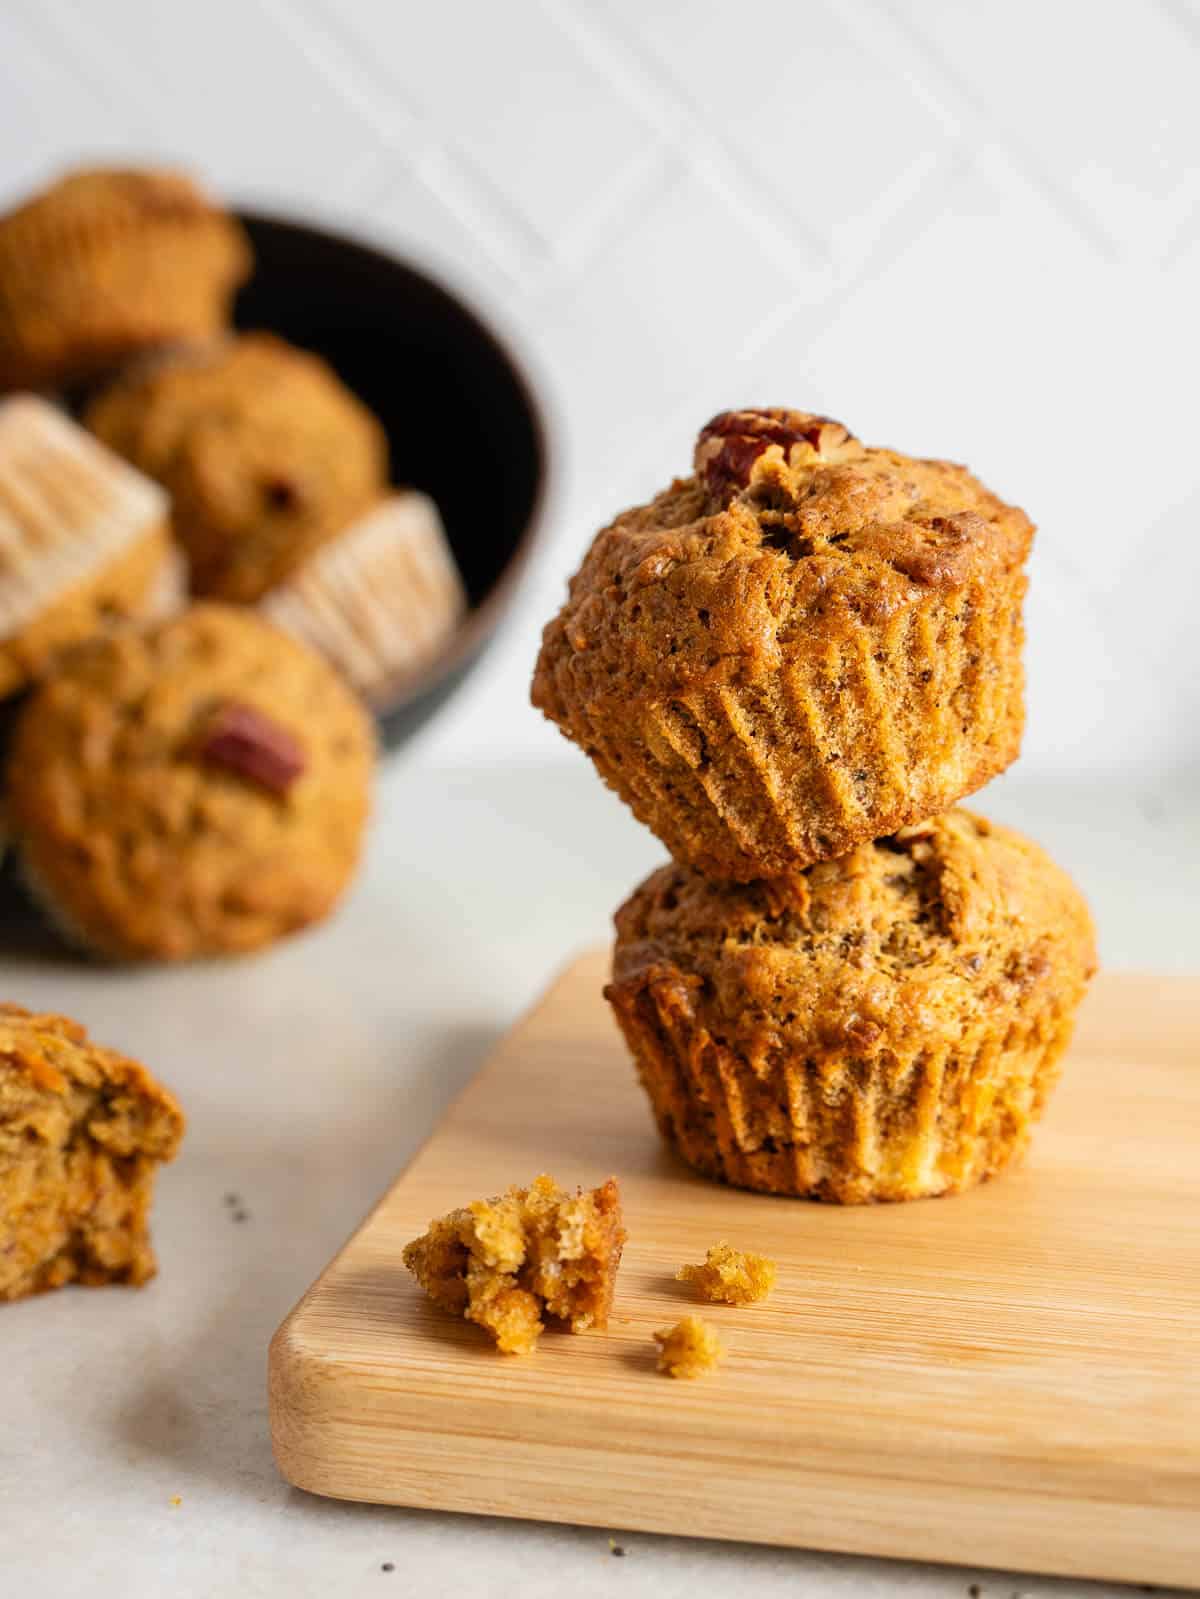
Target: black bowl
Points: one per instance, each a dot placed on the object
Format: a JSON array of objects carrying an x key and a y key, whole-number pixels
[{"x": 461, "y": 419}]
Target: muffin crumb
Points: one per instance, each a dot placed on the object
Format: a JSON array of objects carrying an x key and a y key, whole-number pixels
[
  {"x": 730, "y": 1276},
  {"x": 688, "y": 1349},
  {"x": 527, "y": 1258}
]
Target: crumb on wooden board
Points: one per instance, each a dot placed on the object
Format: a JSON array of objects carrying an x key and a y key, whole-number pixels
[
  {"x": 688, "y": 1349},
  {"x": 729, "y": 1276}
]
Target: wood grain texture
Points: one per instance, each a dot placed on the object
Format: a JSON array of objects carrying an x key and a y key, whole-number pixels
[{"x": 1010, "y": 1377}]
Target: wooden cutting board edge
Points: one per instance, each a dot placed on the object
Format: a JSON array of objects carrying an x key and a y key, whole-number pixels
[{"x": 454, "y": 1427}]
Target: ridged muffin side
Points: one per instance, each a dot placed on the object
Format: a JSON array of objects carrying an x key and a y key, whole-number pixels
[
  {"x": 106, "y": 263},
  {"x": 883, "y": 1026},
  {"x": 805, "y": 645}
]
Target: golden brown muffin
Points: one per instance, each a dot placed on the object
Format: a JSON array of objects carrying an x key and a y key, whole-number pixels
[
  {"x": 883, "y": 1026},
  {"x": 688, "y": 1349},
  {"x": 531, "y": 1256},
  {"x": 265, "y": 453},
  {"x": 805, "y": 645},
  {"x": 198, "y": 788},
  {"x": 728, "y": 1276},
  {"x": 104, "y": 264},
  {"x": 380, "y": 600},
  {"x": 82, "y": 1133},
  {"x": 85, "y": 543}
]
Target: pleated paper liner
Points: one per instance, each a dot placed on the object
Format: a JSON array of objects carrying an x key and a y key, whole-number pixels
[
  {"x": 890, "y": 724},
  {"x": 381, "y": 599},
  {"x": 919, "y": 1121}
]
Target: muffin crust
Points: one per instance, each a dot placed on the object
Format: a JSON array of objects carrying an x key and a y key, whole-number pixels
[
  {"x": 806, "y": 644},
  {"x": 882, "y": 1026},
  {"x": 197, "y": 788},
  {"x": 106, "y": 263},
  {"x": 265, "y": 452}
]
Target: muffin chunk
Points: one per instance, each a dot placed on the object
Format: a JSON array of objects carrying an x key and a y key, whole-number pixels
[
  {"x": 83, "y": 1131},
  {"x": 883, "y": 1026},
  {"x": 197, "y": 788},
  {"x": 104, "y": 264},
  {"x": 530, "y": 1257},
  {"x": 804, "y": 645},
  {"x": 265, "y": 453}
]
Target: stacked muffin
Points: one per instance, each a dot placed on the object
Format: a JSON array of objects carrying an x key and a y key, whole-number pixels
[{"x": 792, "y": 665}]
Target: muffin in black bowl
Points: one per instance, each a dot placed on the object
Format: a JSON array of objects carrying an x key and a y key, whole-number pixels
[{"x": 446, "y": 391}]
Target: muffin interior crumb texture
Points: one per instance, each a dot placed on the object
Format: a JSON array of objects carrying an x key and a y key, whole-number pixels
[
  {"x": 530, "y": 1258},
  {"x": 688, "y": 1349},
  {"x": 82, "y": 1131},
  {"x": 729, "y": 1276}
]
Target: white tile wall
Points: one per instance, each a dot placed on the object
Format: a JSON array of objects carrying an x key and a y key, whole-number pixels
[{"x": 966, "y": 227}]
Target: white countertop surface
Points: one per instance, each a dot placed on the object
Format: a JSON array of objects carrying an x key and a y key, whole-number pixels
[{"x": 309, "y": 1076}]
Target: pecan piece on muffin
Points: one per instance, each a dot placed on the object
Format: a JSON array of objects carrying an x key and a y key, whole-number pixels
[
  {"x": 883, "y": 1026},
  {"x": 806, "y": 644},
  {"x": 105, "y": 264},
  {"x": 83, "y": 1131},
  {"x": 197, "y": 788}
]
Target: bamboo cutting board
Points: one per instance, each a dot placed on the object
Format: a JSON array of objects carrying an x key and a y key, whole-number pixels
[{"x": 1010, "y": 1377}]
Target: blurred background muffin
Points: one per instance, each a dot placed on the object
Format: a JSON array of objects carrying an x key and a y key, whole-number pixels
[
  {"x": 265, "y": 453},
  {"x": 198, "y": 788},
  {"x": 381, "y": 599},
  {"x": 84, "y": 541},
  {"x": 103, "y": 264}
]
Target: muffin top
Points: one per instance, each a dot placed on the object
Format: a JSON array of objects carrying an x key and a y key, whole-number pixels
[
  {"x": 195, "y": 788},
  {"x": 787, "y": 525},
  {"x": 51, "y": 1072},
  {"x": 121, "y": 197},
  {"x": 909, "y": 933},
  {"x": 265, "y": 452},
  {"x": 104, "y": 264}
]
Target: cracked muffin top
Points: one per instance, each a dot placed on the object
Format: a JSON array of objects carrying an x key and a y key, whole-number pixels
[
  {"x": 786, "y": 525},
  {"x": 196, "y": 788},
  {"x": 911, "y": 932}
]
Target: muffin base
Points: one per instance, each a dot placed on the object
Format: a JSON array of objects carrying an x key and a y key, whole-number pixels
[{"x": 908, "y": 1125}]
